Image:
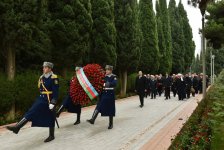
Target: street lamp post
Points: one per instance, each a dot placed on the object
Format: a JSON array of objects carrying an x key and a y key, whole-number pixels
[
  {"x": 213, "y": 68},
  {"x": 203, "y": 54},
  {"x": 202, "y": 6},
  {"x": 211, "y": 76}
]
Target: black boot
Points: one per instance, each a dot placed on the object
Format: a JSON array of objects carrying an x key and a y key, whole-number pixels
[
  {"x": 51, "y": 135},
  {"x": 15, "y": 129},
  {"x": 95, "y": 114},
  {"x": 59, "y": 111},
  {"x": 110, "y": 122},
  {"x": 78, "y": 119}
]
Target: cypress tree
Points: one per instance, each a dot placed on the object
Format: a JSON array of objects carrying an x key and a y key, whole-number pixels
[
  {"x": 178, "y": 49},
  {"x": 70, "y": 30},
  {"x": 21, "y": 33},
  {"x": 189, "y": 45},
  {"x": 149, "y": 61},
  {"x": 161, "y": 39},
  {"x": 103, "y": 50},
  {"x": 128, "y": 48},
  {"x": 167, "y": 52}
]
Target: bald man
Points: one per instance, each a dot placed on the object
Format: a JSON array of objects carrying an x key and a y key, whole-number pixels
[{"x": 141, "y": 87}]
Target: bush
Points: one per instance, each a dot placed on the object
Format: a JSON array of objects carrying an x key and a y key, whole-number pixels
[{"x": 6, "y": 95}]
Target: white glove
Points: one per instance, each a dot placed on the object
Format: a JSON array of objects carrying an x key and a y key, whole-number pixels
[
  {"x": 107, "y": 84},
  {"x": 51, "y": 106}
]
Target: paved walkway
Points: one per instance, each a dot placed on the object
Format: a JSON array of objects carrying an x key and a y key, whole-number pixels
[{"x": 134, "y": 128}]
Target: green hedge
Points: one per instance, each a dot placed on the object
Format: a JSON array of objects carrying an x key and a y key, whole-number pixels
[
  {"x": 205, "y": 128},
  {"x": 23, "y": 92}
]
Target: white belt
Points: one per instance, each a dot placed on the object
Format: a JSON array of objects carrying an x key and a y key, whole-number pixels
[{"x": 108, "y": 88}]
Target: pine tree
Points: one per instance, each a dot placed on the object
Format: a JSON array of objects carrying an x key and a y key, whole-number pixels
[
  {"x": 128, "y": 48},
  {"x": 103, "y": 49},
  {"x": 149, "y": 61},
  {"x": 167, "y": 52}
]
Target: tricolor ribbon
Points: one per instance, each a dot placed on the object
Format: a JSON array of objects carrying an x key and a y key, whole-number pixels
[{"x": 86, "y": 85}]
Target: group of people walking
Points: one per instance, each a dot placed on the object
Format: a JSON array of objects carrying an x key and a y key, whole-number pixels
[
  {"x": 43, "y": 113},
  {"x": 179, "y": 84}
]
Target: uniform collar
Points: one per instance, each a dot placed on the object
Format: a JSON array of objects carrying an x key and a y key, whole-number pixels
[
  {"x": 47, "y": 75},
  {"x": 109, "y": 75}
]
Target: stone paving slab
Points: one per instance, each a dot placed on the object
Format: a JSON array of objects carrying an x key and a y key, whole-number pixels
[
  {"x": 133, "y": 127},
  {"x": 162, "y": 139}
]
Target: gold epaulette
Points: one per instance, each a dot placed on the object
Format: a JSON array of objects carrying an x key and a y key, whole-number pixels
[{"x": 54, "y": 76}]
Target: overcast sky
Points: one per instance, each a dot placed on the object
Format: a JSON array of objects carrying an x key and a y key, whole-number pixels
[{"x": 194, "y": 16}]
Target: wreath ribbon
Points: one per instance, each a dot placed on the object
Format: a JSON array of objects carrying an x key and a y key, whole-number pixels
[{"x": 86, "y": 85}]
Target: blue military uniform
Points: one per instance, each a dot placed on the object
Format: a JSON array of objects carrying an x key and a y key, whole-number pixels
[
  {"x": 70, "y": 106},
  {"x": 106, "y": 104},
  {"x": 39, "y": 114}
]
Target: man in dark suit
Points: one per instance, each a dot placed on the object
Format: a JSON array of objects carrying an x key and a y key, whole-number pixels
[
  {"x": 153, "y": 87},
  {"x": 160, "y": 85},
  {"x": 195, "y": 84},
  {"x": 174, "y": 85},
  {"x": 188, "y": 85},
  {"x": 200, "y": 81},
  {"x": 148, "y": 79},
  {"x": 181, "y": 87},
  {"x": 141, "y": 87},
  {"x": 167, "y": 82}
]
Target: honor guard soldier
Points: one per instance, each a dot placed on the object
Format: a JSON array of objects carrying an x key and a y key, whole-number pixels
[
  {"x": 42, "y": 113},
  {"x": 71, "y": 107},
  {"x": 106, "y": 104}
]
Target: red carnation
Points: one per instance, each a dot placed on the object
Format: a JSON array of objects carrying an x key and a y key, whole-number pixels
[{"x": 95, "y": 74}]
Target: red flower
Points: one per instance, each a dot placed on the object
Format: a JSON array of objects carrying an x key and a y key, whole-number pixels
[{"x": 95, "y": 74}]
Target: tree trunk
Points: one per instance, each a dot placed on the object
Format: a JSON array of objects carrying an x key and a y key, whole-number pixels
[
  {"x": 123, "y": 75},
  {"x": 10, "y": 70},
  {"x": 10, "y": 63},
  {"x": 64, "y": 72}
]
